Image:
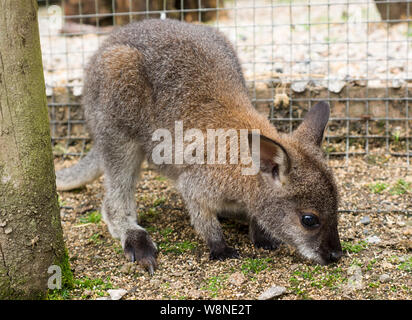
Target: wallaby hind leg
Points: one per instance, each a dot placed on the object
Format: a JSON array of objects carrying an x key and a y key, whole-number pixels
[{"x": 122, "y": 164}]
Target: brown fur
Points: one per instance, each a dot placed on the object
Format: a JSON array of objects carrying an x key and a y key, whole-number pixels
[{"x": 150, "y": 74}]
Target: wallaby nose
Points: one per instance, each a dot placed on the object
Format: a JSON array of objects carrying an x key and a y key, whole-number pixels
[{"x": 334, "y": 256}]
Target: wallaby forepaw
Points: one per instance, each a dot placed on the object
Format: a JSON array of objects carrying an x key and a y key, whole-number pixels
[
  {"x": 223, "y": 254},
  {"x": 140, "y": 248}
]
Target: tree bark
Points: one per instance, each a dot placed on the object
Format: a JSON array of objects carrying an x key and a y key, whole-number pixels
[{"x": 31, "y": 238}]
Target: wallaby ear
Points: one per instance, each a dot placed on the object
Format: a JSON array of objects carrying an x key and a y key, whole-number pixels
[
  {"x": 312, "y": 128},
  {"x": 274, "y": 159}
]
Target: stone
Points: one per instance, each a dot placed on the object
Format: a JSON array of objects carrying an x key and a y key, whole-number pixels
[
  {"x": 88, "y": 293},
  {"x": 365, "y": 220},
  {"x": 373, "y": 240},
  {"x": 195, "y": 294},
  {"x": 336, "y": 86},
  {"x": 272, "y": 292},
  {"x": 299, "y": 86},
  {"x": 355, "y": 280},
  {"x": 237, "y": 278},
  {"x": 116, "y": 294},
  {"x": 384, "y": 278}
]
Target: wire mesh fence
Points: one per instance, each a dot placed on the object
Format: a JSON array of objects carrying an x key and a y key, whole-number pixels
[{"x": 355, "y": 54}]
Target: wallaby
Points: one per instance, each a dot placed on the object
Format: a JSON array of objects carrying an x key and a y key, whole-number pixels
[{"x": 155, "y": 73}]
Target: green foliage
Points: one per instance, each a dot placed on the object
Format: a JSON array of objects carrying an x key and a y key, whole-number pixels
[
  {"x": 91, "y": 217},
  {"x": 159, "y": 201},
  {"x": 374, "y": 284},
  {"x": 378, "y": 187},
  {"x": 177, "y": 247},
  {"x": 255, "y": 265},
  {"x": 96, "y": 238},
  {"x": 214, "y": 284},
  {"x": 317, "y": 277},
  {"x": 354, "y": 247},
  {"x": 370, "y": 264},
  {"x": 406, "y": 265},
  {"x": 97, "y": 285},
  {"x": 167, "y": 245},
  {"x": 401, "y": 187},
  {"x": 148, "y": 215}
]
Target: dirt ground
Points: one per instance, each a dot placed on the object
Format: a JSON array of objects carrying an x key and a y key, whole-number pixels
[{"x": 375, "y": 227}]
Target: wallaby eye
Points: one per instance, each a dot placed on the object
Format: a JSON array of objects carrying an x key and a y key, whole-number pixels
[
  {"x": 309, "y": 220},
  {"x": 275, "y": 172}
]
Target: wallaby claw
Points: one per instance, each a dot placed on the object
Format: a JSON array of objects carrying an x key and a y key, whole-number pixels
[
  {"x": 226, "y": 253},
  {"x": 140, "y": 248},
  {"x": 267, "y": 244}
]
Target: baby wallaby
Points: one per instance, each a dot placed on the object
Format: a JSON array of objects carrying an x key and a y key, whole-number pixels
[{"x": 169, "y": 75}]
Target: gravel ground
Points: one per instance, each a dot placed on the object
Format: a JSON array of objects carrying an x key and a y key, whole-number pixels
[{"x": 376, "y": 238}]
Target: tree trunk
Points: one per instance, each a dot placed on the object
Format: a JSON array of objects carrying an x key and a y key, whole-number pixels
[{"x": 31, "y": 238}]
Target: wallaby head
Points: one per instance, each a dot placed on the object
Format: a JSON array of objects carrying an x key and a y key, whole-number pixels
[{"x": 297, "y": 198}]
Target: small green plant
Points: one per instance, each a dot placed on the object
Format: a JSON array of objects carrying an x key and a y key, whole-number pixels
[
  {"x": 328, "y": 149},
  {"x": 255, "y": 265},
  {"x": 214, "y": 284},
  {"x": 62, "y": 203},
  {"x": 59, "y": 294},
  {"x": 378, "y": 187},
  {"x": 401, "y": 187},
  {"x": 370, "y": 264},
  {"x": 406, "y": 265},
  {"x": 177, "y": 247},
  {"x": 159, "y": 201},
  {"x": 59, "y": 149},
  {"x": 96, "y": 238},
  {"x": 354, "y": 247},
  {"x": 117, "y": 248},
  {"x": 396, "y": 135},
  {"x": 98, "y": 285},
  {"x": 166, "y": 231},
  {"x": 376, "y": 159},
  {"x": 318, "y": 277},
  {"x": 148, "y": 215},
  {"x": 91, "y": 217},
  {"x": 295, "y": 287}
]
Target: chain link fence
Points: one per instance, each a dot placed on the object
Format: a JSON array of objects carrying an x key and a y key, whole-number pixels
[{"x": 355, "y": 54}]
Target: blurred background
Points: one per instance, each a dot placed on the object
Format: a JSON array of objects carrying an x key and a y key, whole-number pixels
[{"x": 354, "y": 53}]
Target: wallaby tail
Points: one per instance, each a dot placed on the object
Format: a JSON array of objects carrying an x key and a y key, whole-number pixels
[{"x": 86, "y": 170}]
